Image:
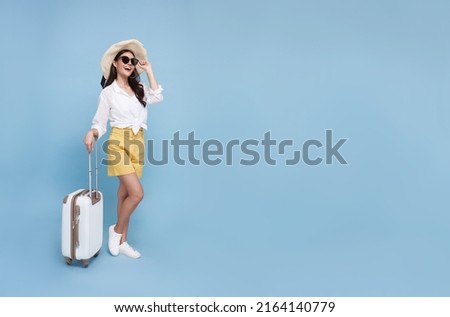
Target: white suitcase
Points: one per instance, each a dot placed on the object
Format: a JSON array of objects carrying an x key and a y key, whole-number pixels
[{"x": 82, "y": 221}]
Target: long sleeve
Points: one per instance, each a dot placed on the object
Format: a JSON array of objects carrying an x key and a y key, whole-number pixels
[
  {"x": 153, "y": 96},
  {"x": 101, "y": 116}
]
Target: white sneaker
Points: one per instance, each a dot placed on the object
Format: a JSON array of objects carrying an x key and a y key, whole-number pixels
[
  {"x": 114, "y": 241},
  {"x": 126, "y": 249}
]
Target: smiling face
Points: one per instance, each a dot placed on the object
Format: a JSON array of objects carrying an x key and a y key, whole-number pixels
[{"x": 124, "y": 69}]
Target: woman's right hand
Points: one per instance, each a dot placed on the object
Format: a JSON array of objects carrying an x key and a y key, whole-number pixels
[{"x": 89, "y": 140}]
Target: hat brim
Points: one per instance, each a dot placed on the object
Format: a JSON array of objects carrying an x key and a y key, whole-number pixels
[{"x": 133, "y": 45}]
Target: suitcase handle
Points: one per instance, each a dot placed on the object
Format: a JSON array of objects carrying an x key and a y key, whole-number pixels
[{"x": 96, "y": 198}]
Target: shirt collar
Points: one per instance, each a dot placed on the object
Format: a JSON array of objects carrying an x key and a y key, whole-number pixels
[{"x": 117, "y": 88}]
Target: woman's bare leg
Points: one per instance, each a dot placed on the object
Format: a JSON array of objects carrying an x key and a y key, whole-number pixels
[{"x": 129, "y": 195}]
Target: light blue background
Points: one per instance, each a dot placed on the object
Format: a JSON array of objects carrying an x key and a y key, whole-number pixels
[{"x": 375, "y": 72}]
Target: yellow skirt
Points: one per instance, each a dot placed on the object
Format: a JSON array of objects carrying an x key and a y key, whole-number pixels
[{"x": 125, "y": 152}]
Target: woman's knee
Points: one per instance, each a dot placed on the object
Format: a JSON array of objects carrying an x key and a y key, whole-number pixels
[
  {"x": 132, "y": 187},
  {"x": 137, "y": 194}
]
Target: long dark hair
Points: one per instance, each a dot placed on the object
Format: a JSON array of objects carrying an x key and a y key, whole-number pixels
[{"x": 133, "y": 80}]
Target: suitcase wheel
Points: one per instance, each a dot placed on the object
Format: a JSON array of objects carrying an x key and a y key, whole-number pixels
[
  {"x": 68, "y": 260},
  {"x": 85, "y": 263},
  {"x": 96, "y": 254}
]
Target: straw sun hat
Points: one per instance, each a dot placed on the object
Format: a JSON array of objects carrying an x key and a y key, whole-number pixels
[{"x": 133, "y": 45}]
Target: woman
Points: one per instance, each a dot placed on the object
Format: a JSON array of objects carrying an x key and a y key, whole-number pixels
[{"x": 123, "y": 101}]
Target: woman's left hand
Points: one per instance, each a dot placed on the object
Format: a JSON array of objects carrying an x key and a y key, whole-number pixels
[{"x": 145, "y": 65}]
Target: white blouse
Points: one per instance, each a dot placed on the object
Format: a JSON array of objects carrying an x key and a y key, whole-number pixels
[{"x": 123, "y": 110}]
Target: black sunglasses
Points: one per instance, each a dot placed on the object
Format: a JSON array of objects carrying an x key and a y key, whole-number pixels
[{"x": 126, "y": 59}]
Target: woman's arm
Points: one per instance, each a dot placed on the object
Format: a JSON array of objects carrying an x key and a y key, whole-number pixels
[
  {"x": 99, "y": 122},
  {"x": 155, "y": 94},
  {"x": 151, "y": 77}
]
